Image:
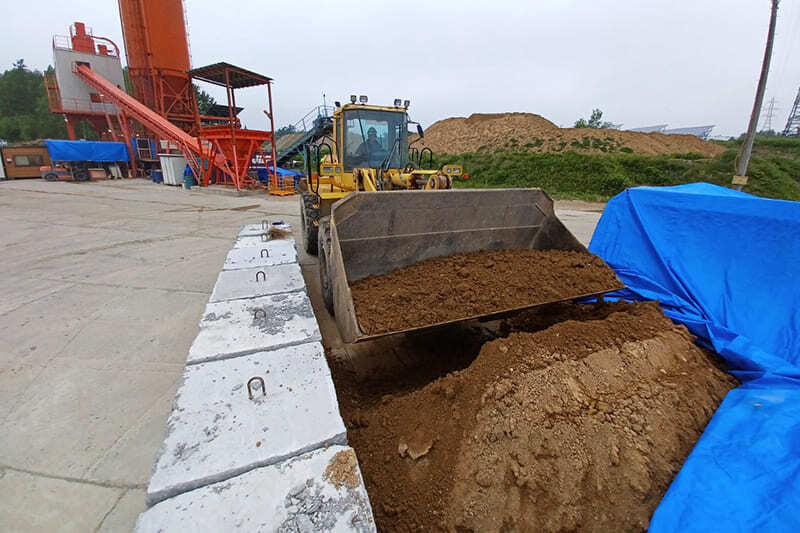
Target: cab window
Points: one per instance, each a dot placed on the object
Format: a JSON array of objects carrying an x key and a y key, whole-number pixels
[{"x": 373, "y": 137}]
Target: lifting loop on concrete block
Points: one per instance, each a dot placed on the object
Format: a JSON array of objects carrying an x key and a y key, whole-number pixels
[
  {"x": 264, "y": 237},
  {"x": 250, "y": 386},
  {"x": 264, "y": 224},
  {"x": 263, "y": 274},
  {"x": 261, "y": 312},
  {"x": 264, "y": 253}
]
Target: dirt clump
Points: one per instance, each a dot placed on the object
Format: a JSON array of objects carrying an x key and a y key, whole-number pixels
[
  {"x": 527, "y": 131},
  {"x": 469, "y": 284},
  {"x": 342, "y": 469},
  {"x": 278, "y": 233},
  {"x": 578, "y": 425}
]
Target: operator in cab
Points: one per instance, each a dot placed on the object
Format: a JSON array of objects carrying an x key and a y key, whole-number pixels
[{"x": 370, "y": 147}]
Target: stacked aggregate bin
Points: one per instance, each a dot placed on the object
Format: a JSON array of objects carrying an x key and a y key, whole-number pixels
[{"x": 255, "y": 424}]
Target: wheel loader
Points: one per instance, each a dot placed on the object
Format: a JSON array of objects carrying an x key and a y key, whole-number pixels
[
  {"x": 367, "y": 208},
  {"x": 368, "y": 150}
]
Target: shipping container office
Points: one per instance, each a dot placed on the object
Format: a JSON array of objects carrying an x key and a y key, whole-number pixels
[{"x": 24, "y": 160}]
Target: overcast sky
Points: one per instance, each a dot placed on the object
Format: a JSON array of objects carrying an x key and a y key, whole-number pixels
[{"x": 642, "y": 62}]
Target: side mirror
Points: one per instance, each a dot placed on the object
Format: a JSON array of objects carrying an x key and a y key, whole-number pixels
[{"x": 420, "y": 132}]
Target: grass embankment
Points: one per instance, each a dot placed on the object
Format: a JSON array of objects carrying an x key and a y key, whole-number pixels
[{"x": 774, "y": 170}]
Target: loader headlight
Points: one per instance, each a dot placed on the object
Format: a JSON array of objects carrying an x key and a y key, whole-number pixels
[
  {"x": 363, "y": 98},
  {"x": 407, "y": 103},
  {"x": 397, "y": 102},
  {"x": 352, "y": 99},
  {"x": 453, "y": 170}
]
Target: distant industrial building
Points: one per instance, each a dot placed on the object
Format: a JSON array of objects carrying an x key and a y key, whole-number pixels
[
  {"x": 658, "y": 128},
  {"x": 702, "y": 132}
]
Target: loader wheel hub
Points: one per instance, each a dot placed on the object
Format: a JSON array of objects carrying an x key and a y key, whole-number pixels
[{"x": 439, "y": 181}]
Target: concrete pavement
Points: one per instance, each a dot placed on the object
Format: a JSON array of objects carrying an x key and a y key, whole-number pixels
[{"x": 103, "y": 287}]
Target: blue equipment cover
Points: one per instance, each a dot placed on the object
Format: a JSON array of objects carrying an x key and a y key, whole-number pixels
[
  {"x": 263, "y": 173},
  {"x": 97, "y": 151},
  {"x": 725, "y": 264}
]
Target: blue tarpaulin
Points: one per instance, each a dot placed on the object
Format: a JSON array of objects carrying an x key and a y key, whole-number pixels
[
  {"x": 97, "y": 151},
  {"x": 263, "y": 173},
  {"x": 725, "y": 264}
]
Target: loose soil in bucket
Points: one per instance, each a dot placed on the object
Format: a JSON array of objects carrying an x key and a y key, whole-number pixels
[
  {"x": 577, "y": 420},
  {"x": 466, "y": 285}
]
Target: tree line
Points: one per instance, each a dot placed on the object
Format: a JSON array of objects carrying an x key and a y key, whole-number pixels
[{"x": 24, "y": 112}]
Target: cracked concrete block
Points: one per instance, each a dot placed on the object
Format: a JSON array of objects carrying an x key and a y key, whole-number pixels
[
  {"x": 216, "y": 431},
  {"x": 255, "y": 241},
  {"x": 299, "y": 494},
  {"x": 256, "y": 230},
  {"x": 253, "y": 282},
  {"x": 274, "y": 252},
  {"x": 237, "y": 327}
]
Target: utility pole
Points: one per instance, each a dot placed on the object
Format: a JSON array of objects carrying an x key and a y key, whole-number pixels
[{"x": 740, "y": 178}]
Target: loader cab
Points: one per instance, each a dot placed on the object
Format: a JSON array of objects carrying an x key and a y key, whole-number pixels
[{"x": 371, "y": 136}]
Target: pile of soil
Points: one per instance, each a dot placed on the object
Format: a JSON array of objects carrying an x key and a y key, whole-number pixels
[
  {"x": 579, "y": 426},
  {"x": 526, "y": 131},
  {"x": 469, "y": 284}
]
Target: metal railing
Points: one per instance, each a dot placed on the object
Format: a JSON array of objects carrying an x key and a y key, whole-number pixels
[
  {"x": 87, "y": 105},
  {"x": 64, "y": 42},
  {"x": 308, "y": 122}
]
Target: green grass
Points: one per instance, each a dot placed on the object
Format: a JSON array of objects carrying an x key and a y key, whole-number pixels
[{"x": 774, "y": 170}]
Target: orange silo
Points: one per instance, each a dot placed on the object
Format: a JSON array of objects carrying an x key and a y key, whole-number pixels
[{"x": 157, "y": 52}]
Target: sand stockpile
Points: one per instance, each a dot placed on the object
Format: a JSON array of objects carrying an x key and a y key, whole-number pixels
[
  {"x": 580, "y": 426},
  {"x": 526, "y": 131},
  {"x": 470, "y": 284}
]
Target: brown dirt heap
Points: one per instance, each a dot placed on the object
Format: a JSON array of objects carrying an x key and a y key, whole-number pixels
[
  {"x": 577, "y": 427},
  {"x": 465, "y": 285},
  {"x": 502, "y": 131}
]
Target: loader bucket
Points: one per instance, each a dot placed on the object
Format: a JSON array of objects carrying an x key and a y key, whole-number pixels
[{"x": 375, "y": 232}]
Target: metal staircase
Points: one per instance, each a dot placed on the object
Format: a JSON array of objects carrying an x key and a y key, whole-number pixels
[{"x": 314, "y": 125}]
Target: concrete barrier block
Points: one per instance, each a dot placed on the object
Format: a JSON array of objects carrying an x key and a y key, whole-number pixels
[
  {"x": 254, "y": 230},
  {"x": 255, "y": 241},
  {"x": 237, "y": 327},
  {"x": 270, "y": 253},
  {"x": 216, "y": 431},
  {"x": 253, "y": 282},
  {"x": 298, "y": 495}
]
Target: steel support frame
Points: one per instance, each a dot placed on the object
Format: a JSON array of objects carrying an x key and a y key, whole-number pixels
[{"x": 273, "y": 175}]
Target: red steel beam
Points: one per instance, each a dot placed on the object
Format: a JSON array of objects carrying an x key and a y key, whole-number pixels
[{"x": 137, "y": 110}]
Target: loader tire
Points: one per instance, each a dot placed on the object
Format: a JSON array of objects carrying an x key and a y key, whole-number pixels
[
  {"x": 324, "y": 255},
  {"x": 309, "y": 218}
]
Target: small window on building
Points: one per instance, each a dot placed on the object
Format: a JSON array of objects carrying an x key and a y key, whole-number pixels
[{"x": 30, "y": 160}]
